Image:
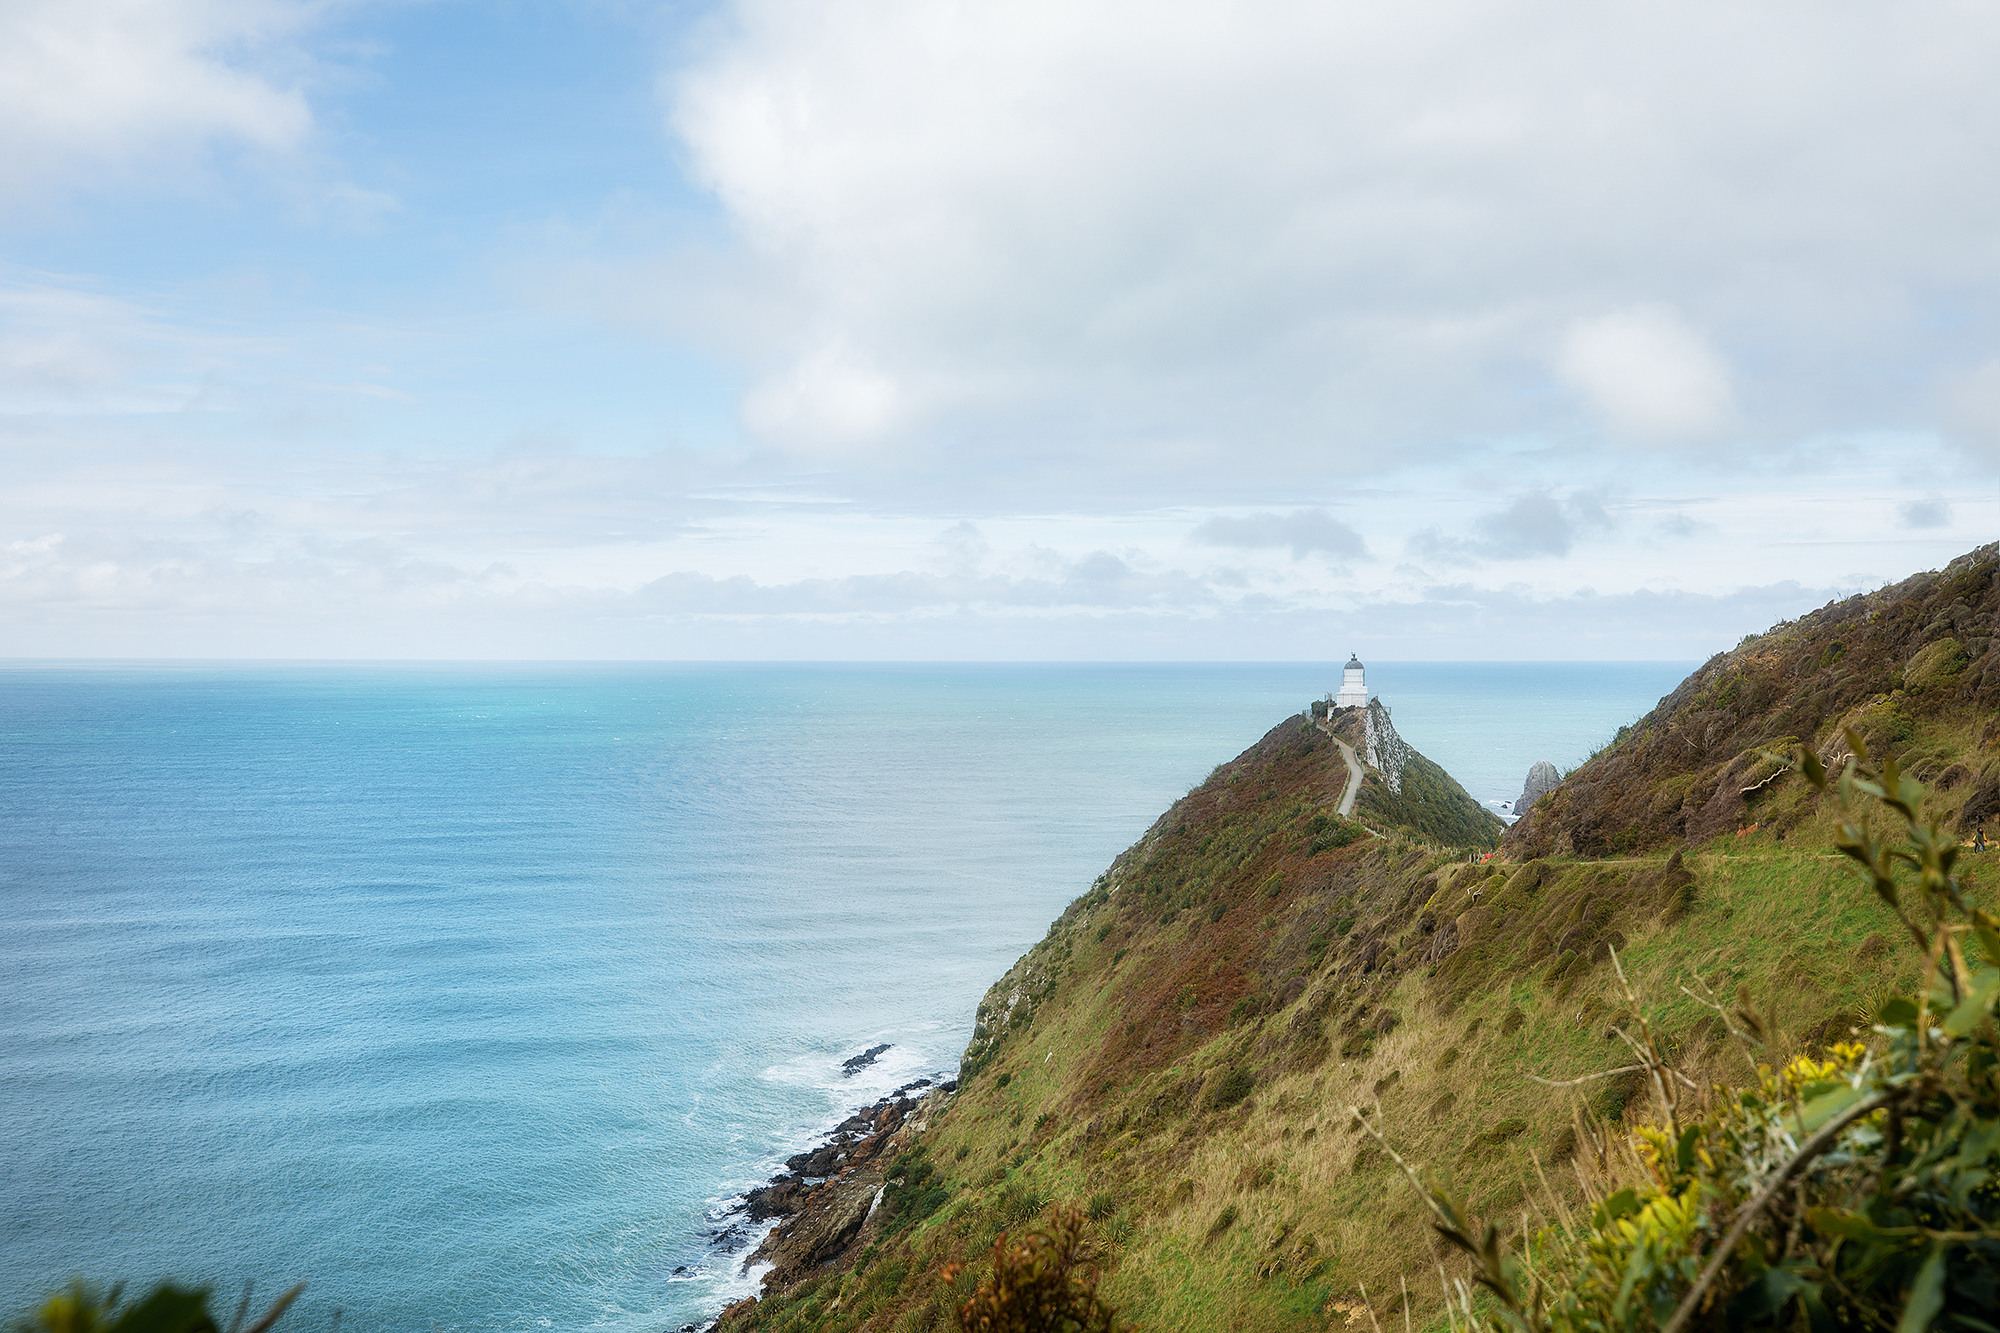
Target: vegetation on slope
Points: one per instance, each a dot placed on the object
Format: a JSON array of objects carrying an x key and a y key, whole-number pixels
[
  {"x": 1851, "y": 1192},
  {"x": 1424, "y": 802},
  {"x": 1912, "y": 668},
  {"x": 1185, "y": 1075}
]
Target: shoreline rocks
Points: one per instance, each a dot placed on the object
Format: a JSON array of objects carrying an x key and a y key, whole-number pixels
[{"x": 826, "y": 1195}]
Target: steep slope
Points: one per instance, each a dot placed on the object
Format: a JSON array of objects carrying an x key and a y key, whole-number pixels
[
  {"x": 1180, "y": 1053},
  {"x": 1405, "y": 791},
  {"x": 1912, "y": 667}
]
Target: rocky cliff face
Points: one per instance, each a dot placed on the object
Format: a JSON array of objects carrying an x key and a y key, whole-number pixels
[
  {"x": 1912, "y": 668},
  {"x": 1384, "y": 749}
]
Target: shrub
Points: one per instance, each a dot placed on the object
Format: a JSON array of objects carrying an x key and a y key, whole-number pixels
[
  {"x": 1020, "y": 1202},
  {"x": 913, "y": 1191},
  {"x": 1337, "y": 833},
  {"x": 1234, "y": 1087},
  {"x": 169, "y": 1309},
  {"x": 1042, "y": 1282},
  {"x": 1934, "y": 666}
]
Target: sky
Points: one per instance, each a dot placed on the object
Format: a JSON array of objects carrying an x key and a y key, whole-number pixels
[{"x": 937, "y": 329}]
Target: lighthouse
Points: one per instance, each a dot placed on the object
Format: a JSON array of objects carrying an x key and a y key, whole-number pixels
[{"x": 1353, "y": 690}]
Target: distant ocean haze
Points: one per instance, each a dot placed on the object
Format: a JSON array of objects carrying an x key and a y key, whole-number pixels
[{"x": 468, "y": 993}]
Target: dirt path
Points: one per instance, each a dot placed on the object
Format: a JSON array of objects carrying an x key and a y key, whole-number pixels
[{"x": 1353, "y": 788}]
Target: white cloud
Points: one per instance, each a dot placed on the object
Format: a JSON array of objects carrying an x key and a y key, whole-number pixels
[
  {"x": 108, "y": 90},
  {"x": 64, "y": 348},
  {"x": 1648, "y": 374},
  {"x": 1187, "y": 246},
  {"x": 827, "y": 400}
]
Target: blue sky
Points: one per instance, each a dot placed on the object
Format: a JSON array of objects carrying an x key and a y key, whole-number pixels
[{"x": 885, "y": 329}]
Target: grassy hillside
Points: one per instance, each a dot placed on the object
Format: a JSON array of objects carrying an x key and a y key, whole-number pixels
[
  {"x": 1179, "y": 1055},
  {"x": 1911, "y": 667}
]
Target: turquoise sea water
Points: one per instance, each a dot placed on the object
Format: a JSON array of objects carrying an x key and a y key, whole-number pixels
[{"x": 468, "y": 992}]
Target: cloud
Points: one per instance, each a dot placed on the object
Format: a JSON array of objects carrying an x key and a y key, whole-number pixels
[
  {"x": 379, "y": 597},
  {"x": 1534, "y": 525},
  {"x": 1097, "y": 582},
  {"x": 1198, "y": 249},
  {"x": 1921, "y": 514},
  {"x": 1970, "y": 402},
  {"x": 1647, "y": 374},
  {"x": 828, "y": 399},
  {"x": 67, "y": 349},
  {"x": 1304, "y": 530},
  {"x": 97, "y": 91}
]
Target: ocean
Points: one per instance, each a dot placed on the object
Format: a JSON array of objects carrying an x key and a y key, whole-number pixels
[{"x": 471, "y": 994}]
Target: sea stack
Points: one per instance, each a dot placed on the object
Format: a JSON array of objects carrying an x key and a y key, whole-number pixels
[{"x": 1542, "y": 779}]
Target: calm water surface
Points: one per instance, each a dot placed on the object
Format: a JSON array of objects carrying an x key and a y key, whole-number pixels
[{"x": 465, "y": 992}]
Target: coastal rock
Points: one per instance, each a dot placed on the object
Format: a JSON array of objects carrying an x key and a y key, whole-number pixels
[
  {"x": 827, "y": 1218},
  {"x": 863, "y": 1060},
  {"x": 1542, "y": 779}
]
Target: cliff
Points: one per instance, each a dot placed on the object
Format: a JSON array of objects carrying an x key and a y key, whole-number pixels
[{"x": 1179, "y": 1055}]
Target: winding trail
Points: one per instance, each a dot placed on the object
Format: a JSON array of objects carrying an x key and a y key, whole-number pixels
[{"x": 1353, "y": 788}]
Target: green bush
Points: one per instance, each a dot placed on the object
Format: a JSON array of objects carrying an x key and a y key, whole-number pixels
[
  {"x": 913, "y": 1191},
  {"x": 168, "y": 1309},
  {"x": 1041, "y": 1282},
  {"x": 1233, "y": 1088}
]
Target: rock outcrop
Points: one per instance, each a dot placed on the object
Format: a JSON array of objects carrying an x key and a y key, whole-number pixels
[
  {"x": 1386, "y": 750},
  {"x": 827, "y": 1194},
  {"x": 1542, "y": 780}
]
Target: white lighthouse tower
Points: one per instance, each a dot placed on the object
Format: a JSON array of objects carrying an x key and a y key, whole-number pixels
[{"x": 1353, "y": 690}]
